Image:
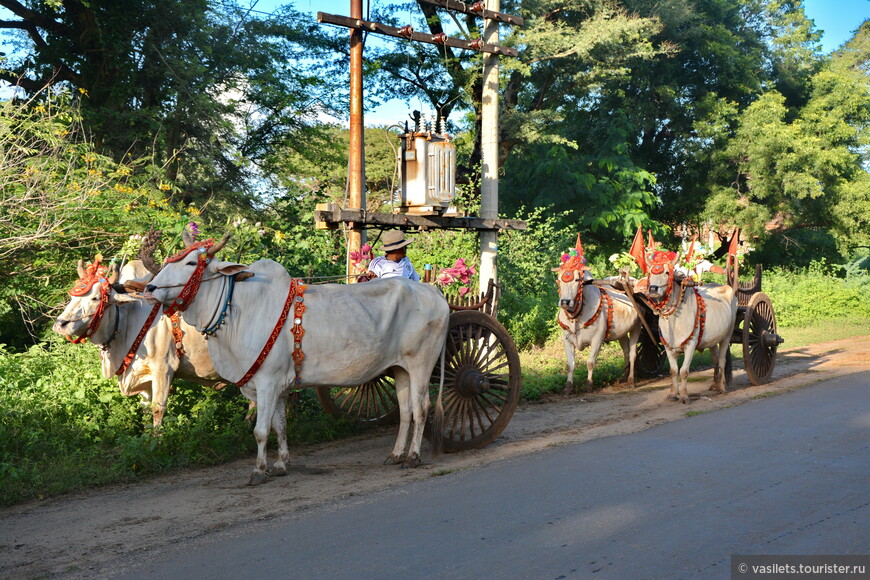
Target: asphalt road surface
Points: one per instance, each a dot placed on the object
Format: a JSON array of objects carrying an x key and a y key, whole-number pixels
[{"x": 789, "y": 474}]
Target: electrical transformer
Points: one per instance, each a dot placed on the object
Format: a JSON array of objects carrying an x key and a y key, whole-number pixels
[{"x": 428, "y": 170}]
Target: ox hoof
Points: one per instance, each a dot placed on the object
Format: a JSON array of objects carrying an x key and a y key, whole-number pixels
[
  {"x": 393, "y": 459},
  {"x": 569, "y": 389},
  {"x": 673, "y": 398},
  {"x": 276, "y": 471},
  {"x": 684, "y": 400},
  {"x": 257, "y": 478},
  {"x": 413, "y": 460}
]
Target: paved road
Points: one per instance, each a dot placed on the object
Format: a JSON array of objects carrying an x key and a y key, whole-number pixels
[{"x": 785, "y": 475}]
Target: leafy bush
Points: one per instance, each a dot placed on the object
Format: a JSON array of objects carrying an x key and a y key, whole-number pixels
[
  {"x": 64, "y": 427},
  {"x": 802, "y": 297}
]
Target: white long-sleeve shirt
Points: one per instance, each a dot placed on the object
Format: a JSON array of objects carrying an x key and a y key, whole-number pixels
[{"x": 385, "y": 268}]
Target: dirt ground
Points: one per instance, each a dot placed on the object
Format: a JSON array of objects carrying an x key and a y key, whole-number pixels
[{"x": 87, "y": 534}]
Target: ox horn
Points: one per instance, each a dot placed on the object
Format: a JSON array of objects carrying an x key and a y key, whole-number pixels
[
  {"x": 187, "y": 238},
  {"x": 146, "y": 253},
  {"x": 220, "y": 245},
  {"x": 112, "y": 275},
  {"x": 80, "y": 268}
]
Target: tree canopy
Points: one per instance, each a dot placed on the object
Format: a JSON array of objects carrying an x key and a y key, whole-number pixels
[{"x": 616, "y": 113}]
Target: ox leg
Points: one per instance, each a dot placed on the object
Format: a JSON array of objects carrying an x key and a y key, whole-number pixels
[
  {"x": 569, "y": 355},
  {"x": 403, "y": 395},
  {"x": 673, "y": 366},
  {"x": 279, "y": 426},
  {"x": 251, "y": 395},
  {"x": 719, "y": 354},
  {"x": 592, "y": 359},
  {"x": 419, "y": 395},
  {"x": 684, "y": 372},
  {"x": 159, "y": 397},
  {"x": 266, "y": 404},
  {"x": 633, "y": 337},
  {"x": 717, "y": 369}
]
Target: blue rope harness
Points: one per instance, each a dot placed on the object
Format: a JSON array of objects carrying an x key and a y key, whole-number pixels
[{"x": 212, "y": 330}]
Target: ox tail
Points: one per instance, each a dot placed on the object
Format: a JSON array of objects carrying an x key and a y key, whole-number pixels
[
  {"x": 438, "y": 418},
  {"x": 729, "y": 367}
]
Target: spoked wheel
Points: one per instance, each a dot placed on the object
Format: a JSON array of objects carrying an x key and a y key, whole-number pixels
[
  {"x": 372, "y": 403},
  {"x": 760, "y": 339},
  {"x": 650, "y": 361},
  {"x": 481, "y": 381}
]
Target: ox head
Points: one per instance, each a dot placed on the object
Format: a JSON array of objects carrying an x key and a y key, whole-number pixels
[
  {"x": 660, "y": 280},
  {"x": 95, "y": 289},
  {"x": 570, "y": 277},
  {"x": 178, "y": 280}
]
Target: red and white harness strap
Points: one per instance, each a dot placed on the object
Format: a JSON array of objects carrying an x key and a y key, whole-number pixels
[
  {"x": 295, "y": 296},
  {"x": 700, "y": 320},
  {"x": 604, "y": 297},
  {"x": 139, "y": 337}
]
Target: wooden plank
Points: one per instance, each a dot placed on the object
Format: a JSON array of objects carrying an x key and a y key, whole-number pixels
[
  {"x": 457, "y": 6},
  {"x": 359, "y": 24},
  {"x": 333, "y": 215}
]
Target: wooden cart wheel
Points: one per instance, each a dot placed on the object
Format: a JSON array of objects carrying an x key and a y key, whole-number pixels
[
  {"x": 481, "y": 381},
  {"x": 372, "y": 403},
  {"x": 650, "y": 360},
  {"x": 760, "y": 339}
]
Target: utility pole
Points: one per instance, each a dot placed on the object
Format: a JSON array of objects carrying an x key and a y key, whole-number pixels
[
  {"x": 356, "y": 162},
  {"x": 489, "y": 151},
  {"x": 354, "y": 215}
]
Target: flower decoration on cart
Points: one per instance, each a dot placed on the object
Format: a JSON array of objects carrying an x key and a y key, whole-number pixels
[
  {"x": 361, "y": 258},
  {"x": 458, "y": 275}
]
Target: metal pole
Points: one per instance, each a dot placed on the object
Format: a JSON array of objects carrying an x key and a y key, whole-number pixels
[
  {"x": 356, "y": 154},
  {"x": 489, "y": 151}
]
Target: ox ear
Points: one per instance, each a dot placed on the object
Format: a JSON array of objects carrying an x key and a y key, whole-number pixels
[
  {"x": 229, "y": 268},
  {"x": 117, "y": 298},
  {"x": 642, "y": 286},
  {"x": 135, "y": 285}
]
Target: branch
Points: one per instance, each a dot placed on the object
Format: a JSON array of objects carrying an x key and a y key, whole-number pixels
[{"x": 37, "y": 18}]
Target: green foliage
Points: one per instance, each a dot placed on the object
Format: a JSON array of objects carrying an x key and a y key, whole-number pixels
[
  {"x": 63, "y": 427},
  {"x": 803, "y": 297},
  {"x": 61, "y": 201},
  {"x": 211, "y": 89},
  {"x": 526, "y": 261}
]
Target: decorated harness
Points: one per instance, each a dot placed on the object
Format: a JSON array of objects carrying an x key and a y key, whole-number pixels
[
  {"x": 660, "y": 263},
  {"x": 295, "y": 297},
  {"x": 95, "y": 273},
  {"x": 569, "y": 272}
]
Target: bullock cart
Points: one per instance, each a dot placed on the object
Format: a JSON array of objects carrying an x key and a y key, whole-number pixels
[
  {"x": 481, "y": 379},
  {"x": 754, "y": 328}
]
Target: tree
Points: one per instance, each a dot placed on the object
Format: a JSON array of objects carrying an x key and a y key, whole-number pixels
[
  {"x": 209, "y": 86},
  {"x": 61, "y": 201},
  {"x": 785, "y": 169}
]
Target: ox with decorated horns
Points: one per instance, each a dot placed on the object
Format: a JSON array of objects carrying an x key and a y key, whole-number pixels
[
  {"x": 335, "y": 335},
  {"x": 590, "y": 315},
  {"x": 144, "y": 349},
  {"x": 690, "y": 318}
]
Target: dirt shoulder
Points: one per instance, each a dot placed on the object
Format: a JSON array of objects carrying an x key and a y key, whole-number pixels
[{"x": 83, "y": 534}]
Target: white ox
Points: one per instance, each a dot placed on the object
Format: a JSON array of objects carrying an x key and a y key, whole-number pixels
[
  {"x": 156, "y": 362},
  {"x": 590, "y": 316},
  {"x": 352, "y": 334},
  {"x": 690, "y": 318}
]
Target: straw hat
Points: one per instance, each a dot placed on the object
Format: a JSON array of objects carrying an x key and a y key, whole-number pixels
[{"x": 394, "y": 240}]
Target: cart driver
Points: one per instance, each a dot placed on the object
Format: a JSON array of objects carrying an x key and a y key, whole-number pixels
[{"x": 394, "y": 263}]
